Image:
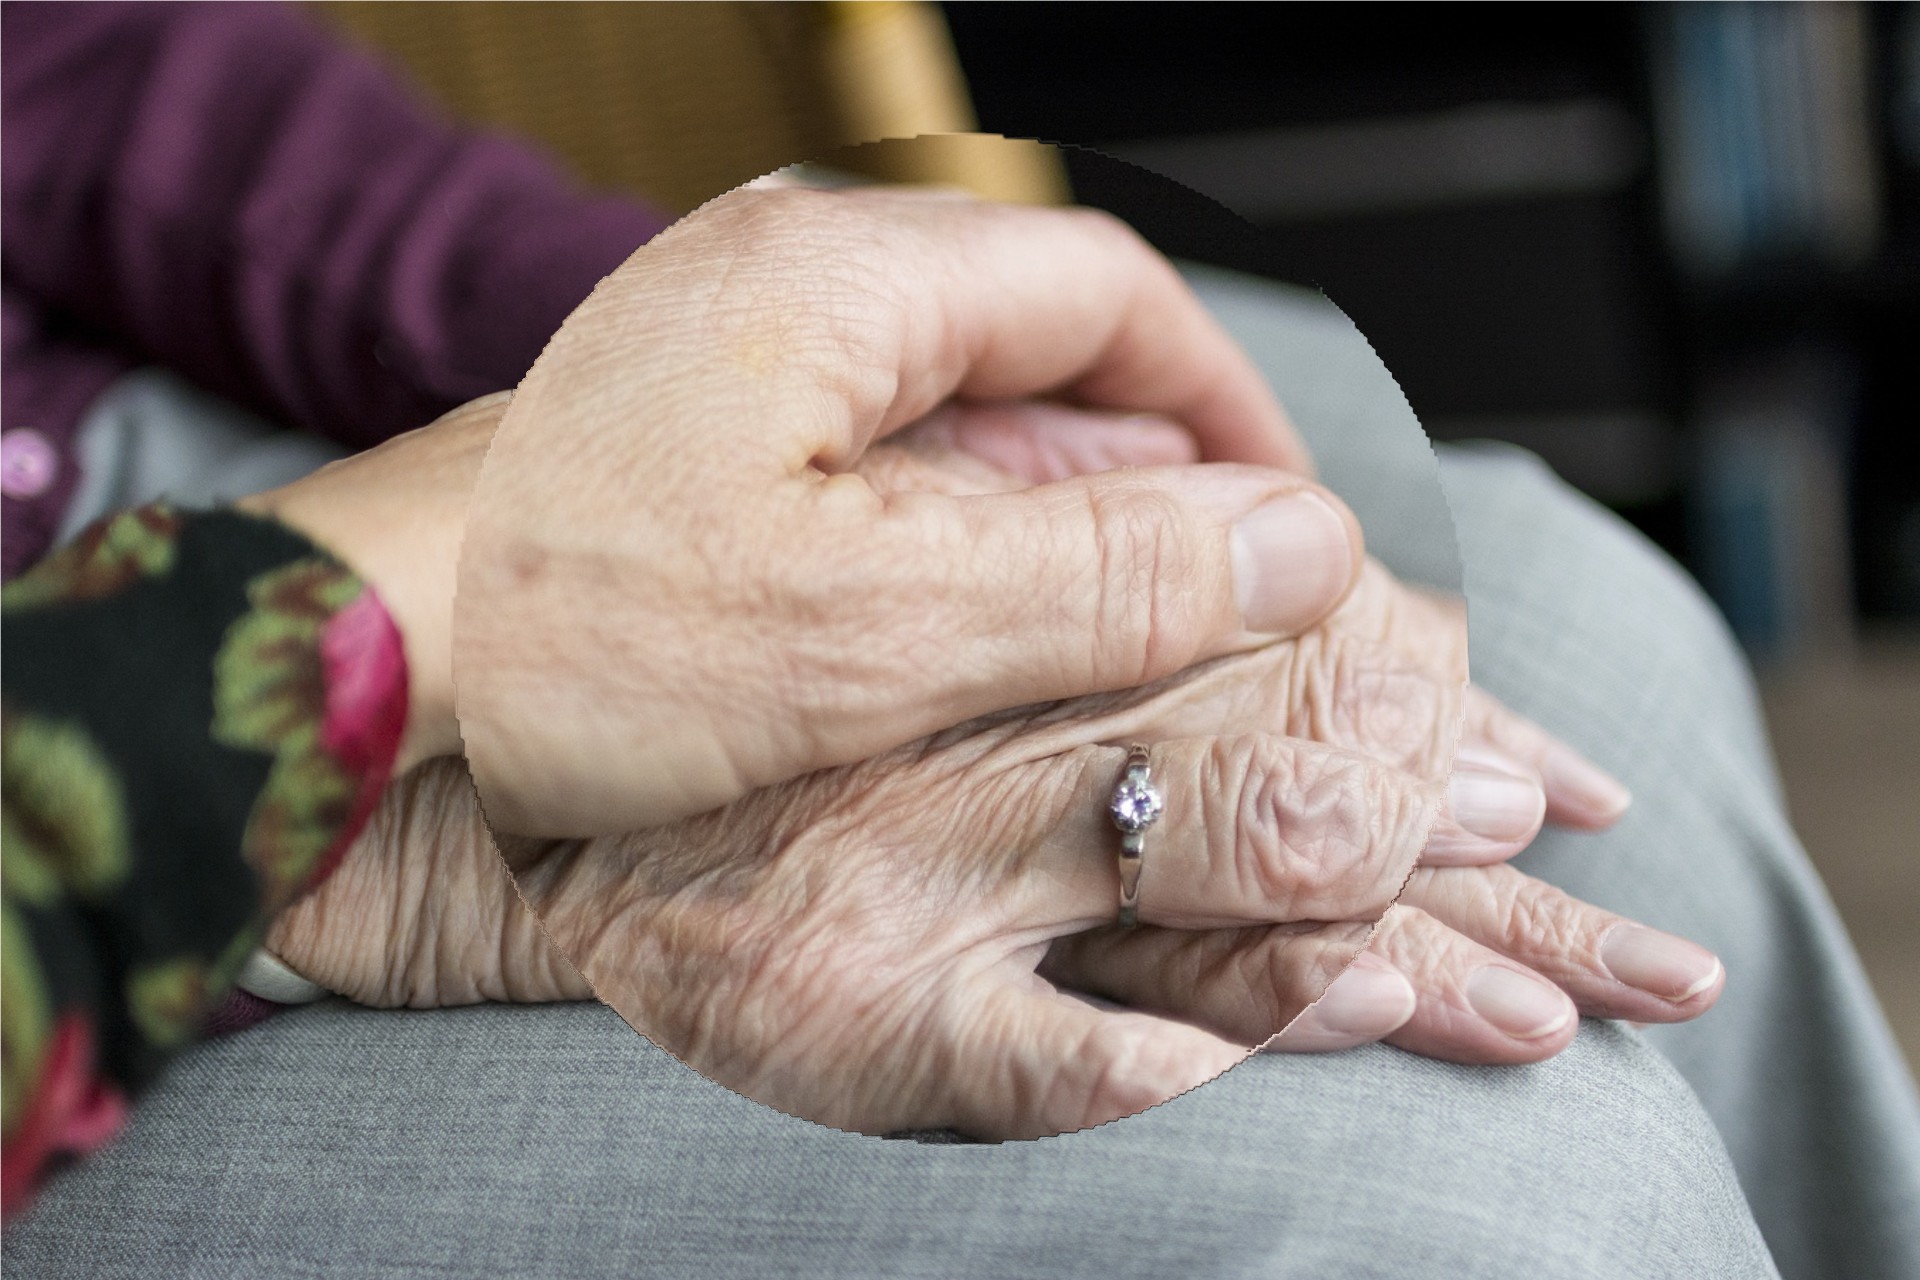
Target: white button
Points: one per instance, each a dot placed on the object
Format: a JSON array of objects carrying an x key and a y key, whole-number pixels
[{"x": 28, "y": 464}]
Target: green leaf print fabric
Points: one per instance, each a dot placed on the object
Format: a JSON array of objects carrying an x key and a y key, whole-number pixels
[{"x": 198, "y": 713}]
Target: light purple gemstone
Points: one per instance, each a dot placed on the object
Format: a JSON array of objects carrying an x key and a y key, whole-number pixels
[{"x": 1136, "y": 805}]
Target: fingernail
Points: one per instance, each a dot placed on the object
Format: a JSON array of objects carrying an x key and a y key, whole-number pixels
[
  {"x": 1495, "y": 806},
  {"x": 1292, "y": 562},
  {"x": 1591, "y": 787},
  {"x": 1525, "y": 1008},
  {"x": 1658, "y": 963},
  {"x": 1366, "y": 1002}
]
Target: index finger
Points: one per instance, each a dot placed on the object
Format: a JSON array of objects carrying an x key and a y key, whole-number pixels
[
  {"x": 953, "y": 296},
  {"x": 1075, "y": 301}
]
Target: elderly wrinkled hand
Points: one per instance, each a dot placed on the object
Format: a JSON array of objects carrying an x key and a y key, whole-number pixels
[
  {"x": 861, "y": 946},
  {"x": 675, "y": 585}
]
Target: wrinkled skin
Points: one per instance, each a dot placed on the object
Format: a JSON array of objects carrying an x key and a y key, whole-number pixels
[
  {"x": 862, "y": 946},
  {"x": 673, "y": 582},
  {"x": 676, "y": 584}
]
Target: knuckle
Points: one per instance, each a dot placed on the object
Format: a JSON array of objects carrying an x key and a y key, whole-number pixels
[
  {"x": 1124, "y": 249},
  {"x": 1290, "y": 969},
  {"x": 1324, "y": 835},
  {"x": 1536, "y": 917},
  {"x": 1276, "y": 980},
  {"x": 1273, "y": 862},
  {"x": 1417, "y": 944},
  {"x": 763, "y": 215},
  {"x": 1390, "y": 936},
  {"x": 1131, "y": 1068},
  {"x": 1102, "y": 225},
  {"x": 1122, "y": 1074},
  {"x": 1350, "y": 693},
  {"x": 1145, "y": 622}
]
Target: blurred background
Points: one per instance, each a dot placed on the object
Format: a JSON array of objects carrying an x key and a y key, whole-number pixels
[{"x": 1673, "y": 249}]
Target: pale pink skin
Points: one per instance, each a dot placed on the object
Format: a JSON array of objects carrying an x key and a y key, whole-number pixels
[
  {"x": 766, "y": 620},
  {"x": 671, "y": 527},
  {"x": 838, "y": 947}
]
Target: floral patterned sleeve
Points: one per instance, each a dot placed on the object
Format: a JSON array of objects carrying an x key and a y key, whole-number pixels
[{"x": 200, "y": 711}]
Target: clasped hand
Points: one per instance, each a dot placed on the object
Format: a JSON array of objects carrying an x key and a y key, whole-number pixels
[{"x": 706, "y": 621}]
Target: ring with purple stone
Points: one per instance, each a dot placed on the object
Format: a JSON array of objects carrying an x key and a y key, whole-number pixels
[{"x": 1136, "y": 805}]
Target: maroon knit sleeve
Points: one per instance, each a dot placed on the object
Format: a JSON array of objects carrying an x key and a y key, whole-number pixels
[{"x": 232, "y": 191}]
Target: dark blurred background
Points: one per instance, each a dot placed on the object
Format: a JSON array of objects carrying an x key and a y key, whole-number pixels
[{"x": 1674, "y": 249}]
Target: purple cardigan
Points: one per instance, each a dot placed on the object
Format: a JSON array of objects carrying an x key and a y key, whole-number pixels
[{"x": 231, "y": 191}]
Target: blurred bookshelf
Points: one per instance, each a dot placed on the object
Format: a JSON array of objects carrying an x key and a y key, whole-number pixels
[{"x": 1673, "y": 249}]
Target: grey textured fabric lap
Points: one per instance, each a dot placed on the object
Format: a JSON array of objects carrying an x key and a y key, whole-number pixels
[
  {"x": 339, "y": 1141},
  {"x": 554, "y": 1142},
  {"x": 1795, "y": 1064}
]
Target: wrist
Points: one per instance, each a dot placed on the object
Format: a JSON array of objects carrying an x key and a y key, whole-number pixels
[
  {"x": 409, "y": 601},
  {"x": 395, "y": 516}
]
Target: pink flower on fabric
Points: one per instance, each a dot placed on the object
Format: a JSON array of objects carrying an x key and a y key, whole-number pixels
[
  {"x": 365, "y": 667},
  {"x": 364, "y": 664},
  {"x": 73, "y": 1111}
]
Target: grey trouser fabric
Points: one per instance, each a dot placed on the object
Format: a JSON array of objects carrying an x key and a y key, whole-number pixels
[
  {"x": 1577, "y": 623},
  {"x": 554, "y": 1141}
]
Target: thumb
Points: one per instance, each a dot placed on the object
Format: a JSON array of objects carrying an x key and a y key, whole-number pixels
[
  {"x": 1040, "y": 1063},
  {"x": 1113, "y": 580}
]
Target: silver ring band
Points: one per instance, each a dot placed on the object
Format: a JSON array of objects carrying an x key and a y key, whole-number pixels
[{"x": 1136, "y": 805}]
